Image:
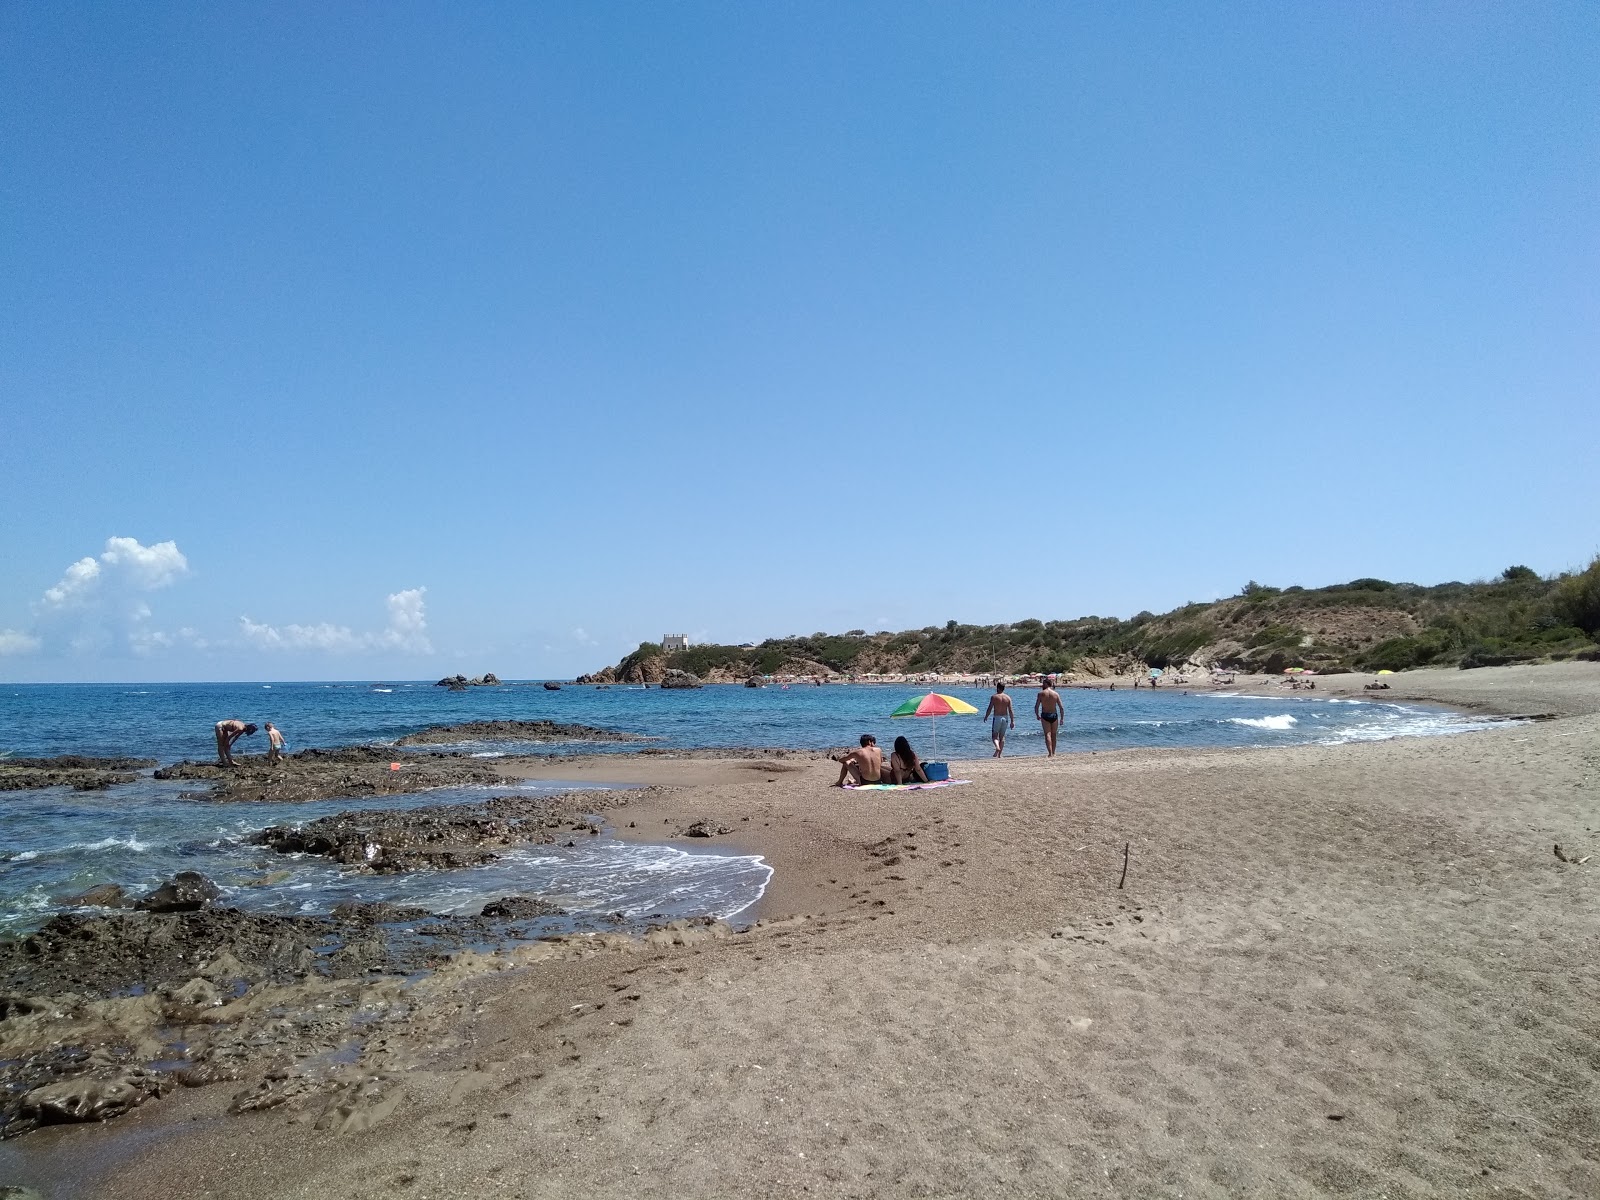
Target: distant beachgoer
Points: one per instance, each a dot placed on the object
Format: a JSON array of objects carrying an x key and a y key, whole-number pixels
[
  {"x": 1001, "y": 717},
  {"x": 229, "y": 732},
  {"x": 275, "y": 744},
  {"x": 1048, "y": 709},
  {"x": 904, "y": 765},
  {"x": 866, "y": 764}
]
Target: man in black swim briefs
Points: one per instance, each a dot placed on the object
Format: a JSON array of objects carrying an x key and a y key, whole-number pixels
[{"x": 1047, "y": 707}]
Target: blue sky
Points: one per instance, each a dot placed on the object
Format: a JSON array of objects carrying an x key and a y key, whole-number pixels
[{"x": 500, "y": 337}]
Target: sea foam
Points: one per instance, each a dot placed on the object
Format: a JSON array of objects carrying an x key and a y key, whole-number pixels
[{"x": 1281, "y": 721}]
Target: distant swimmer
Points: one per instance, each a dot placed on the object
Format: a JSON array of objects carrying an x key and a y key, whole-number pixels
[
  {"x": 275, "y": 744},
  {"x": 1047, "y": 708},
  {"x": 1001, "y": 717},
  {"x": 229, "y": 732}
]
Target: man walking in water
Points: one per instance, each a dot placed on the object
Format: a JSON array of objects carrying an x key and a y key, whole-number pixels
[
  {"x": 1047, "y": 708},
  {"x": 1003, "y": 717},
  {"x": 229, "y": 732}
]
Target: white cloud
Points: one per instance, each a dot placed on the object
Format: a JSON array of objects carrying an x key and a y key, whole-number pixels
[
  {"x": 407, "y": 631},
  {"x": 581, "y": 636},
  {"x": 79, "y": 580},
  {"x": 123, "y": 566},
  {"x": 14, "y": 641},
  {"x": 148, "y": 567}
]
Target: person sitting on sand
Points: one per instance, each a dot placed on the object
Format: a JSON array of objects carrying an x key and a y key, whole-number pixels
[
  {"x": 275, "y": 744},
  {"x": 1047, "y": 710},
  {"x": 865, "y": 764},
  {"x": 229, "y": 732},
  {"x": 904, "y": 765},
  {"x": 1003, "y": 717}
]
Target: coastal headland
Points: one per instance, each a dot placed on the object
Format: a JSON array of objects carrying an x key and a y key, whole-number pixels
[{"x": 1330, "y": 969}]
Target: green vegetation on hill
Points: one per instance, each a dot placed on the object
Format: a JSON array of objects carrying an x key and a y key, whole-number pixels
[{"x": 1366, "y": 624}]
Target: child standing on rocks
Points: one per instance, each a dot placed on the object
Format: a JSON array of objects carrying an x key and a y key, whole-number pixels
[{"x": 275, "y": 744}]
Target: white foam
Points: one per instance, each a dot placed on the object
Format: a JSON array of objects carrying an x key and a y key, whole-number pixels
[{"x": 1282, "y": 721}]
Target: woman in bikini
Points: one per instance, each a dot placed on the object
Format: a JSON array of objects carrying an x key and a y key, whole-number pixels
[{"x": 904, "y": 765}]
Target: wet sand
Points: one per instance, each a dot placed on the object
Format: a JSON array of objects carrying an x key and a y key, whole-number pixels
[{"x": 1333, "y": 970}]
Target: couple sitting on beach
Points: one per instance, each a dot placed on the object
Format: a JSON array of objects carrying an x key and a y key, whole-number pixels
[{"x": 867, "y": 765}]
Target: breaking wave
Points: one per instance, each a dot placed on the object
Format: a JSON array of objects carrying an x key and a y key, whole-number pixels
[{"x": 1281, "y": 721}]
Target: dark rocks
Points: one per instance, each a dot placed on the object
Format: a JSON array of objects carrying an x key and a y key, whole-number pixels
[
  {"x": 377, "y": 912},
  {"x": 440, "y": 837},
  {"x": 675, "y": 678},
  {"x": 552, "y": 687},
  {"x": 704, "y": 828},
  {"x": 457, "y": 683},
  {"x": 755, "y": 681},
  {"x": 107, "y": 895},
  {"x": 519, "y": 908},
  {"x": 515, "y": 731},
  {"x": 76, "y": 771},
  {"x": 353, "y": 771},
  {"x": 187, "y": 891}
]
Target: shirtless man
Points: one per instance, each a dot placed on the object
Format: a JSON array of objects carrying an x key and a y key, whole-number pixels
[
  {"x": 1047, "y": 708},
  {"x": 867, "y": 762},
  {"x": 229, "y": 732},
  {"x": 1003, "y": 717}
]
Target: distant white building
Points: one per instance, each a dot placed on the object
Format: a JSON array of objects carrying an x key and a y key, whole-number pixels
[{"x": 674, "y": 641}]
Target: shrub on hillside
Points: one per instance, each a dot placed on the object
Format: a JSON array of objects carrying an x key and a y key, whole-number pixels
[{"x": 1577, "y": 599}]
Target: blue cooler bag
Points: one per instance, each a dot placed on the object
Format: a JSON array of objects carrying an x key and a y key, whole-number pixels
[{"x": 937, "y": 772}]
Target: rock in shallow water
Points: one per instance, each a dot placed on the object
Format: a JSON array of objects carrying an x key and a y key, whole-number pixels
[
  {"x": 187, "y": 891},
  {"x": 107, "y": 895}
]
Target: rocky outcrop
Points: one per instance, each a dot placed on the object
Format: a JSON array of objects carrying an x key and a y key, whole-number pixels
[
  {"x": 351, "y": 771},
  {"x": 519, "y": 908},
  {"x": 457, "y": 683},
  {"x": 645, "y": 670},
  {"x": 76, "y": 771},
  {"x": 187, "y": 891},
  {"x": 107, "y": 895},
  {"x": 675, "y": 678},
  {"x": 515, "y": 731},
  {"x": 755, "y": 681},
  {"x": 441, "y": 837}
]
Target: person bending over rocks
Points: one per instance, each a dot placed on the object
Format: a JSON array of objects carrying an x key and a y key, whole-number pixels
[
  {"x": 866, "y": 764},
  {"x": 229, "y": 732}
]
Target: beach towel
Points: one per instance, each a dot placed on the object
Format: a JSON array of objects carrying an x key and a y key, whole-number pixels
[{"x": 902, "y": 787}]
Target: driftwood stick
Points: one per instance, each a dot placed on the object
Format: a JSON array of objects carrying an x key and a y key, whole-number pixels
[{"x": 1124, "y": 878}]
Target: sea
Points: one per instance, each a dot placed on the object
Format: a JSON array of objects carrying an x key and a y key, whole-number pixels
[{"x": 55, "y": 842}]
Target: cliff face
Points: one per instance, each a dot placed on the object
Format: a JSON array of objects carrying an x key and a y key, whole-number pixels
[{"x": 1367, "y": 624}]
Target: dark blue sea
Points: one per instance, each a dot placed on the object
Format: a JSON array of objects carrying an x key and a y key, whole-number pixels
[{"x": 55, "y": 842}]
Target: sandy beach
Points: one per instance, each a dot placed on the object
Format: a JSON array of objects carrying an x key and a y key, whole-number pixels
[{"x": 1333, "y": 970}]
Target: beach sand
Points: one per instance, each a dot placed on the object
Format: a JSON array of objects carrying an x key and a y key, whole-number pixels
[{"x": 1334, "y": 970}]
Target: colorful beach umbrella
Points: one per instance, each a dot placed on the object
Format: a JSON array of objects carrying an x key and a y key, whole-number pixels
[{"x": 935, "y": 705}]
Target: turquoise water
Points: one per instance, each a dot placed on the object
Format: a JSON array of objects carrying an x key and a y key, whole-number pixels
[{"x": 55, "y": 842}]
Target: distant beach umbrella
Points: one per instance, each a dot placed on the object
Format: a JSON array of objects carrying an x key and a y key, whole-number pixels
[
  {"x": 1385, "y": 672},
  {"x": 1156, "y": 672},
  {"x": 935, "y": 705}
]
